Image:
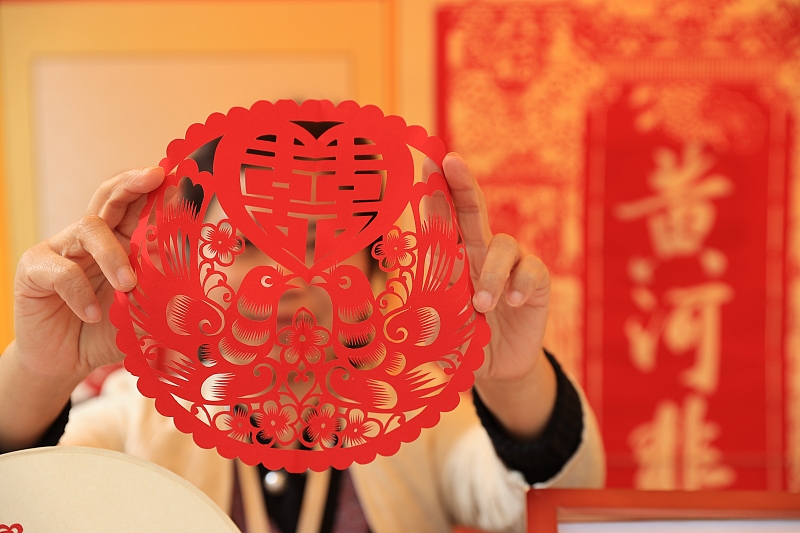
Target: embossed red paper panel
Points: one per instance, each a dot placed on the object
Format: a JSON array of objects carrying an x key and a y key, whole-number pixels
[
  {"x": 303, "y": 298},
  {"x": 648, "y": 153}
]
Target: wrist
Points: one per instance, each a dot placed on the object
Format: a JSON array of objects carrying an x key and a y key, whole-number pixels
[
  {"x": 541, "y": 458},
  {"x": 54, "y": 382},
  {"x": 29, "y": 400},
  {"x": 514, "y": 379},
  {"x": 522, "y": 404}
]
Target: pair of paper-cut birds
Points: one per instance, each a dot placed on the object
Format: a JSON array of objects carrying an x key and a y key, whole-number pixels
[{"x": 261, "y": 208}]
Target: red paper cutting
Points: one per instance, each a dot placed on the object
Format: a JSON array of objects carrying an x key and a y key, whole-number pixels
[{"x": 252, "y": 325}]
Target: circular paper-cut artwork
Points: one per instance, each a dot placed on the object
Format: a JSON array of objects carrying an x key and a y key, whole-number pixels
[{"x": 304, "y": 298}]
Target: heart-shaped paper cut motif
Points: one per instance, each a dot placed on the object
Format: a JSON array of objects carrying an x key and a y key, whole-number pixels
[{"x": 275, "y": 179}]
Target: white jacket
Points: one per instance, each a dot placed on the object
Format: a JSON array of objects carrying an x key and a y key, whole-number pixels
[{"x": 449, "y": 475}]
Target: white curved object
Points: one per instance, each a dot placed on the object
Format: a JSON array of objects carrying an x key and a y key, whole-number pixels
[{"x": 87, "y": 490}]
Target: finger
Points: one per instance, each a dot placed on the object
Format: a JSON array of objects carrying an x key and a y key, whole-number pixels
[
  {"x": 468, "y": 199},
  {"x": 130, "y": 219},
  {"x": 502, "y": 256},
  {"x": 112, "y": 199},
  {"x": 429, "y": 166},
  {"x": 436, "y": 204},
  {"x": 48, "y": 273},
  {"x": 529, "y": 278},
  {"x": 92, "y": 236}
]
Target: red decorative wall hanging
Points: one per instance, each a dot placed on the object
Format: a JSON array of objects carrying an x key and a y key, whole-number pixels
[
  {"x": 648, "y": 152},
  {"x": 255, "y": 325}
]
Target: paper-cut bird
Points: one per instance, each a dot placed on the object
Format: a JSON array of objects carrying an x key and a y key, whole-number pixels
[
  {"x": 396, "y": 360},
  {"x": 208, "y": 352}
]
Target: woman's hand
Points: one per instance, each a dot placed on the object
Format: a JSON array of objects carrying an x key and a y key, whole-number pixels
[
  {"x": 512, "y": 288},
  {"x": 65, "y": 284},
  {"x": 62, "y": 292}
]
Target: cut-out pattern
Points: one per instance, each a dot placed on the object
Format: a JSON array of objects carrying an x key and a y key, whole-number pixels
[{"x": 219, "y": 330}]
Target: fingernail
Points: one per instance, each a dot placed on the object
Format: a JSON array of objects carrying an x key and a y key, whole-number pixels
[
  {"x": 514, "y": 298},
  {"x": 93, "y": 313},
  {"x": 482, "y": 301},
  {"x": 126, "y": 277}
]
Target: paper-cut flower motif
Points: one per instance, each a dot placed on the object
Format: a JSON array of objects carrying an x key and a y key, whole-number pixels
[
  {"x": 358, "y": 430},
  {"x": 274, "y": 424},
  {"x": 220, "y": 242},
  {"x": 303, "y": 339},
  {"x": 236, "y": 423},
  {"x": 395, "y": 249},
  {"x": 13, "y": 528},
  {"x": 322, "y": 426}
]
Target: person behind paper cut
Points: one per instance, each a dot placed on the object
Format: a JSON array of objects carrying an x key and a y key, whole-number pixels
[{"x": 468, "y": 470}]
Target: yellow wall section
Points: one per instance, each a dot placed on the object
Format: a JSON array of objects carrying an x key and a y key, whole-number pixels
[
  {"x": 6, "y": 305},
  {"x": 364, "y": 30}
]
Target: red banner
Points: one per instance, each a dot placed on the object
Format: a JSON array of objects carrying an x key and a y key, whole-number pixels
[
  {"x": 648, "y": 156},
  {"x": 687, "y": 226}
]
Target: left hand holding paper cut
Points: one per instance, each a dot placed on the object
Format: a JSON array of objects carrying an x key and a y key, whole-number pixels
[
  {"x": 64, "y": 285},
  {"x": 61, "y": 335}
]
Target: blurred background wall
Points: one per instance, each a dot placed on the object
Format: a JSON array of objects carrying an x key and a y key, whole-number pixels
[{"x": 646, "y": 149}]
